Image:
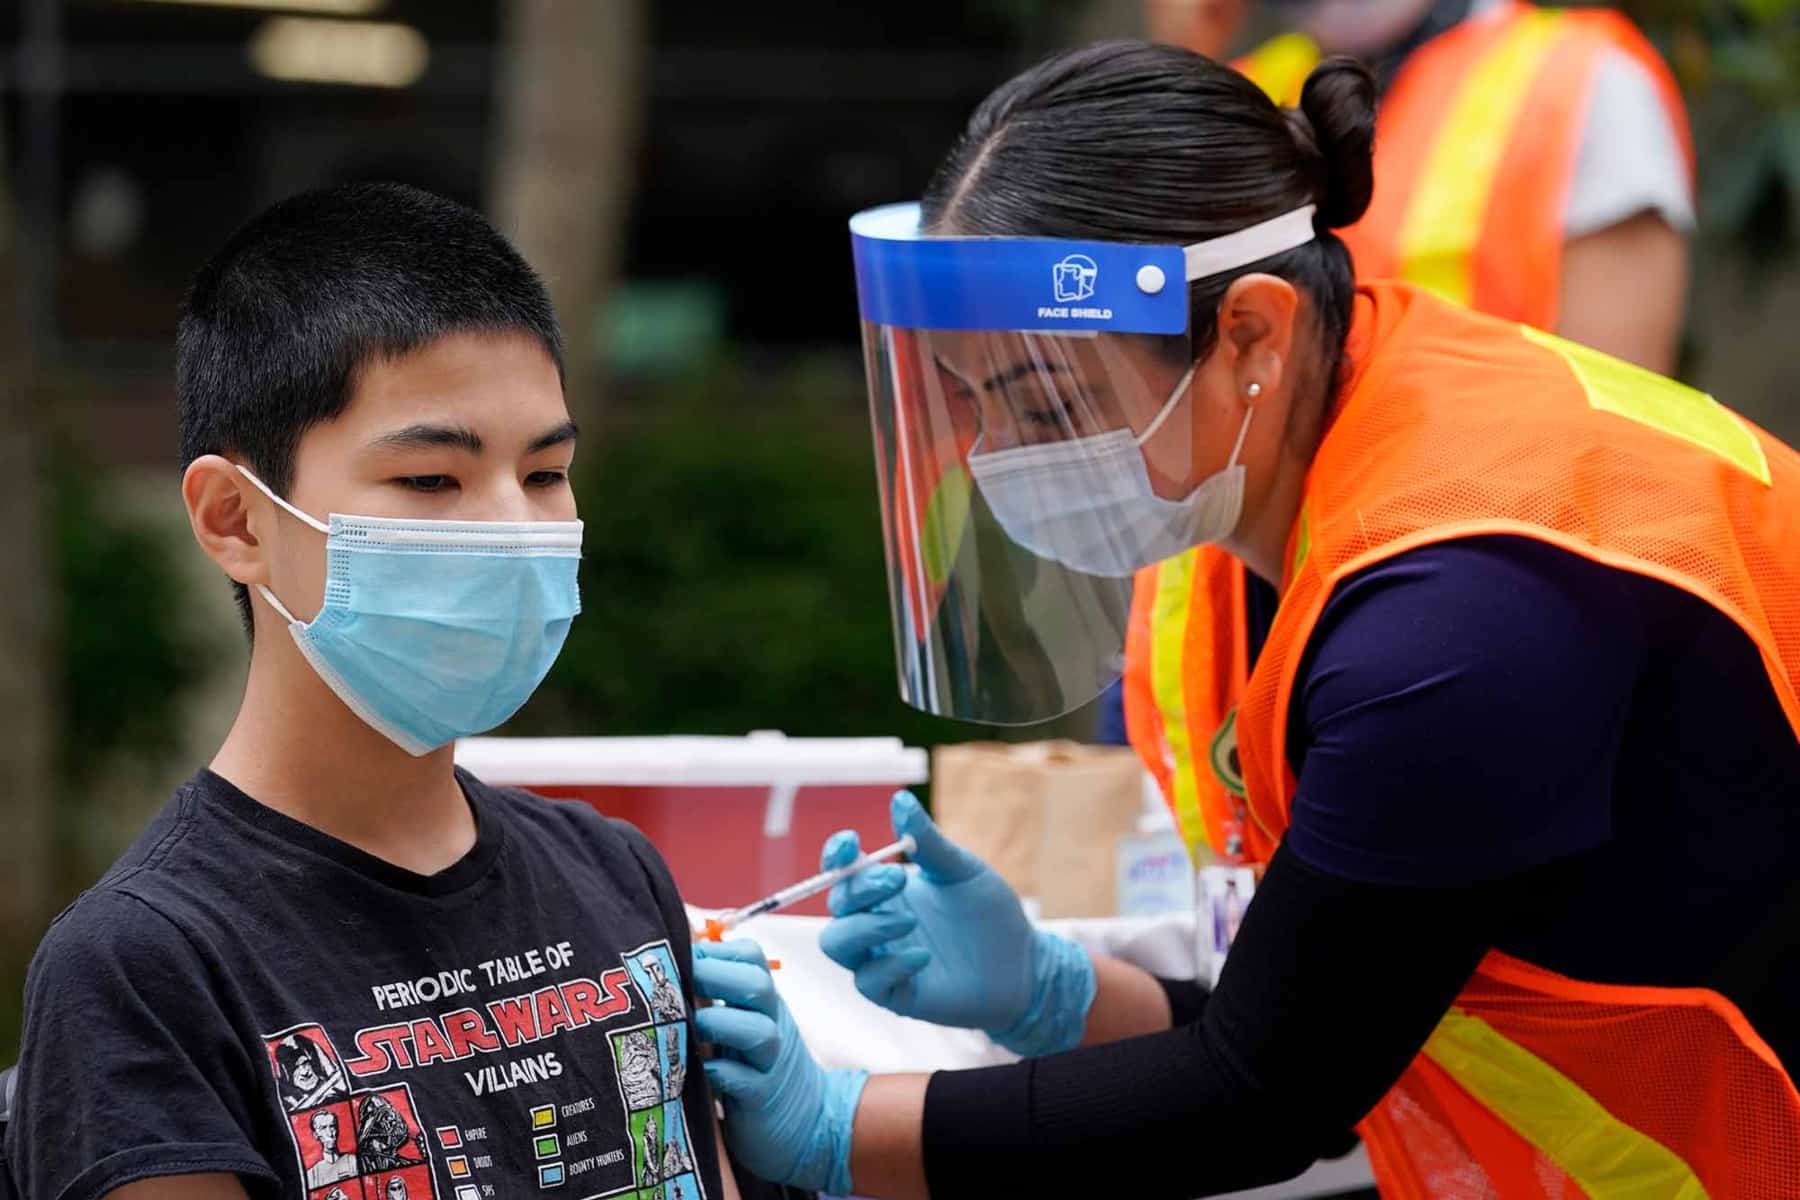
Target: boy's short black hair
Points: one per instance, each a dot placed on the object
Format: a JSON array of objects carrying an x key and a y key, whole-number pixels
[{"x": 281, "y": 320}]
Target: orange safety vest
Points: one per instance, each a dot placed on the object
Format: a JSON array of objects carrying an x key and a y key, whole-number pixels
[
  {"x": 1475, "y": 148},
  {"x": 1459, "y": 425}
]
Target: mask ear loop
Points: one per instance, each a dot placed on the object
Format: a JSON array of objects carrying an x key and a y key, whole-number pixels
[
  {"x": 1243, "y": 432},
  {"x": 1168, "y": 407},
  {"x": 278, "y": 606},
  {"x": 264, "y": 488}
]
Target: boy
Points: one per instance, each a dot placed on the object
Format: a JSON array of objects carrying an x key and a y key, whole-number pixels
[{"x": 334, "y": 965}]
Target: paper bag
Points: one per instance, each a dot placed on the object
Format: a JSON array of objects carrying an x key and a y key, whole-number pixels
[{"x": 1046, "y": 815}]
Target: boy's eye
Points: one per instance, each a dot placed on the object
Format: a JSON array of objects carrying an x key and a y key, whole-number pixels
[
  {"x": 425, "y": 483},
  {"x": 547, "y": 479}
]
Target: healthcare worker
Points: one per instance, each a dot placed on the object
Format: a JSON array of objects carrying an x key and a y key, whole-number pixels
[
  {"x": 1530, "y": 162},
  {"x": 1520, "y": 746}
]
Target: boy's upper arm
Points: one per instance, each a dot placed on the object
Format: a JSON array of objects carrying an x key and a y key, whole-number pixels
[
  {"x": 696, "y": 1095},
  {"x": 662, "y": 890},
  {"x": 182, "y": 1187},
  {"x": 607, "y": 834},
  {"x": 129, "y": 1069}
]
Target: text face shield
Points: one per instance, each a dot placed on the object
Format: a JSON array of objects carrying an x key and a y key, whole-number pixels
[{"x": 1030, "y": 455}]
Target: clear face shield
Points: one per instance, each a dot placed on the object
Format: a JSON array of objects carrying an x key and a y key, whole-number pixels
[{"x": 1032, "y": 449}]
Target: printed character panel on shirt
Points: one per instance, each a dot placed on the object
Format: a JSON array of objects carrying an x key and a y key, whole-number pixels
[
  {"x": 326, "y": 1139},
  {"x": 412, "y": 1183},
  {"x": 307, "y": 1069},
  {"x": 662, "y": 1152},
  {"x": 638, "y": 1064},
  {"x": 349, "y": 1189},
  {"x": 677, "y": 1147},
  {"x": 647, "y": 1133},
  {"x": 652, "y": 968},
  {"x": 388, "y": 1136},
  {"x": 671, "y": 1043}
]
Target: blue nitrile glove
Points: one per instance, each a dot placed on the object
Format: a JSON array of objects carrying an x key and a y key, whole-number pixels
[
  {"x": 786, "y": 1118},
  {"x": 948, "y": 943}
]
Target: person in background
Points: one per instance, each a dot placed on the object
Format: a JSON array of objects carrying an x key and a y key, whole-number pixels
[
  {"x": 1530, "y": 163},
  {"x": 1206, "y": 27}
]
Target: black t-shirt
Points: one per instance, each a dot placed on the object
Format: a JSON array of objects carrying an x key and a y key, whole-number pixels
[{"x": 243, "y": 993}]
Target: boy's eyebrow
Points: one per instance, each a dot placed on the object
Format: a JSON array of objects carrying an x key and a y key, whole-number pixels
[
  {"x": 566, "y": 432},
  {"x": 426, "y": 436}
]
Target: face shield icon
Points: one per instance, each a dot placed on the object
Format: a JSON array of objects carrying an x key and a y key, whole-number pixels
[{"x": 1074, "y": 278}]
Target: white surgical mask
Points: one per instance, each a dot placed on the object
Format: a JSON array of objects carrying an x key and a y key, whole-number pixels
[{"x": 1088, "y": 503}]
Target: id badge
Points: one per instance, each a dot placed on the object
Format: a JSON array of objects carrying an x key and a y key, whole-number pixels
[{"x": 1224, "y": 895}]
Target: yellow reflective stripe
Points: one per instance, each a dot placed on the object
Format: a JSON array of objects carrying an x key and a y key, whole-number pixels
[
  {"x": 1560, "y": 1120},
  {"x": 1302, "y": 543},
  {"x": 1443, "y": 221},
  {"x": 1628, "y": 390},
  {"x": 1280, "y": 66},
  {"x": 1169, "y": 626},
  {"x": 946, "y": 519}
]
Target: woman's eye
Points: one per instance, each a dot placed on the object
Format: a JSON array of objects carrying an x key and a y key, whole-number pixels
[
  {"x": 426, "y": 483},
  {"x": 956, "y": 389},
  {"x": 547, "y": 479}
]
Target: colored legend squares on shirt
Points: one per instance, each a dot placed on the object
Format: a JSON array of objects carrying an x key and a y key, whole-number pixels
[
  {"x": 459, "y": 1167},
  {"x": 547, "y": 1145},
  {"x": 449, "y": 1136},
  {"x": 467, "y": 1192}
]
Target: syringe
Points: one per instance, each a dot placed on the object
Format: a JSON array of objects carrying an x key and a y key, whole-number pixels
[{"x": 714, "y": 927}]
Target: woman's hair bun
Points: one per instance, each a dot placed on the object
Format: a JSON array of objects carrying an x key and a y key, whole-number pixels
[{"x": 1337, "y": 108}]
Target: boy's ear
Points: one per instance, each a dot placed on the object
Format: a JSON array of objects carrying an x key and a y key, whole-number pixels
[{"x": 226, "y": 511}]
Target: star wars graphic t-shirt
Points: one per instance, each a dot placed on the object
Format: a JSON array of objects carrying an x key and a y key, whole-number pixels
[{"x": 242, "y": 993}]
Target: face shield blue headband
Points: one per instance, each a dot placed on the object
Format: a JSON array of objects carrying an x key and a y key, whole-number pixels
[{"x": 435, "y": 630}]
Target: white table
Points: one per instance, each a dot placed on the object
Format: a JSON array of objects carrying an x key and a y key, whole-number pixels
[{"x": 843, "y": 1029}]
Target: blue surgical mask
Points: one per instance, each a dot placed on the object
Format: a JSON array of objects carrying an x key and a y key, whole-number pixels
[{"x": 435, "y": 630}]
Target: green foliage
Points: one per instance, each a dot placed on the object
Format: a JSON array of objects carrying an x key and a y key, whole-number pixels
[
  {"x": 128, "y": 660},
  {"x": 1028, "y": 21},
  {"x": 1738, "y": 61},
  {"x": 733, "y": 575}
]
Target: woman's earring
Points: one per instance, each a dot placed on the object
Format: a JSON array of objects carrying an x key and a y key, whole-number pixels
[{"x": 1253, "y": 390}]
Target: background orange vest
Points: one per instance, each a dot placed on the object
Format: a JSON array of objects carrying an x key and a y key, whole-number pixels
[
  {"x": 1475, "y": 151},
  {"x": 1459, "y": 425}
]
